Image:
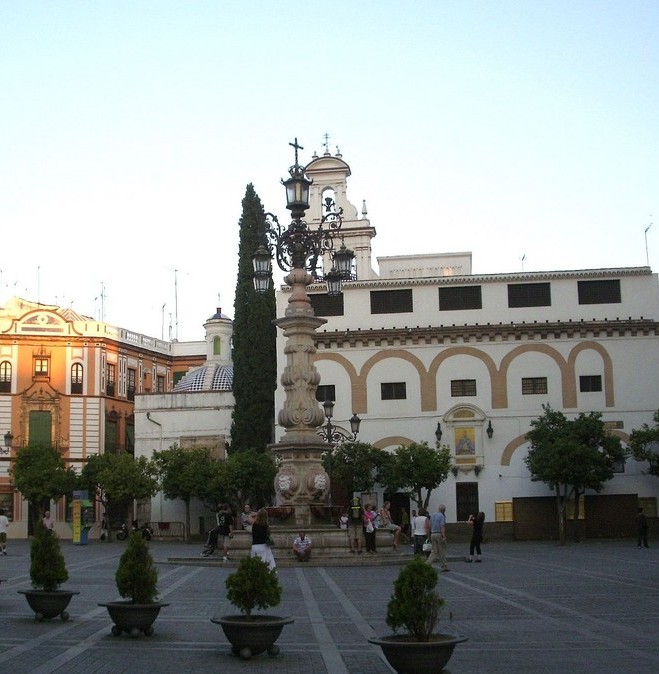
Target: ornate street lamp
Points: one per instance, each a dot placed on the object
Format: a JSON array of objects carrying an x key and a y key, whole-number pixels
[
  {"x": 489, "y": 430},
  {"x": 9, "y": 439},
  {"x": 301, "y": 481}
]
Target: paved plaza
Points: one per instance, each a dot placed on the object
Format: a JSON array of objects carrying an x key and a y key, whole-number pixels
[{"x": 529, "y": 607}]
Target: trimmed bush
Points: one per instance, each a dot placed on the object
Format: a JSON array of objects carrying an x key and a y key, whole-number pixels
[
  {"x": 253, "y": 585},
  {"x": 136, "y": 576}
]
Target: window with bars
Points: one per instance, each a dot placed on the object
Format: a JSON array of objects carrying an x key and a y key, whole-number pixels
[
  {"x": 391, "y": 301},
  {"x": 396, "y": 390},
  {"x": 5, "y": 376},
  {"x": 76, "y": 378},
  {"x": 529, "y": 295},
  {"x": 160, "y": 383},
  {"x": 326, "y": 392},
  {"x": 130, "y": 383},
  {"x": 466, "y": 500},
  {"x": 503, "y": 511},
  {"x": 327, "y": 305},
  {"x": 463, "y": 387},
  {"x": 599, "y": 292},
  {"x": 109, "y": 379},
  {"x": 534, "y": 386},
  {"x": 590, "y": 383},
  {"x": 459, "y": 298}
]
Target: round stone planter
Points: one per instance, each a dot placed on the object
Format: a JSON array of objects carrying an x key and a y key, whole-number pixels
[
  {"x": 409, "y": 656},
  {"x": 48, "y": 604},
  {"x": 253, "y": 635},
  {"x": 134, "y": 619}
]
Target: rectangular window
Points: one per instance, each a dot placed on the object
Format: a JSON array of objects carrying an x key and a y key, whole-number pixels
[
  {"x": 109, "y": 379},
  {"x": 466, "y": 499},
  {"x": 463, "y": 387},
  {"x": 111, "y": 436},
  {"x": 41, "y": 367},
  {"x": 503, "y": 511},
  {"x": 599, "y": 292},
  {"x": 326, "y": 392},
  {"x": 391, "y": 301},
  {"x": 459, "y": 298},
  {"x": 130, "y": 389},
  {"x": 649, "y": 505},
  {"x": 41, "y": 428},
  {"x": 534, "y": 386},
  {"x": 160, "y": 384},
  {"x": 590, "y": 383},
  {"x": 529, "y": 295},
  {"x": 327, "y": 305},
  {"x": 396, "y": 390}
]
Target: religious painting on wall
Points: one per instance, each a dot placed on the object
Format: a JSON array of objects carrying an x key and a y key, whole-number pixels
[{"x": 465, "y": 441}]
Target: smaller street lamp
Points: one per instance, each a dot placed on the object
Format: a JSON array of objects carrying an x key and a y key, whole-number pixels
[
  {"x": 9, "y": 439},
  {"x": 438, "y": 432},
  {"x": 490, "y": 430}
]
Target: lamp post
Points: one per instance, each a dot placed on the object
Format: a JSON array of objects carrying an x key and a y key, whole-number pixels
[
  {"x": 301, "y": 480},
  {"x": 9, "y": 439}
]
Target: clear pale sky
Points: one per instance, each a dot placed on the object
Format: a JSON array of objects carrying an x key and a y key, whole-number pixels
[{"x": 129, "y": 131}]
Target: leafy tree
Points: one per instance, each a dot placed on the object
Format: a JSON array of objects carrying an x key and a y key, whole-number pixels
[
  {"x": 185, "y": 474},
  {"x": 117, "y": 479},
  {"x": 250, "y": 478},
  {"x": 642, "y": 443},
  {"x": 353, "y": 465},
  {"x": 254, "y": 340},
  {"x": 571, "y": 456},
  {"x": 414, "y": 468},
  {"x": 39, "y": 472}
]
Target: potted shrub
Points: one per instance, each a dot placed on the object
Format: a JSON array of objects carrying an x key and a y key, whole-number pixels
[
  {"x": 253, "y": 585},
  {"x": 47, "y": 572},
  {"x": 415, "y": 606},
  {"x": 137, "y": 580}
]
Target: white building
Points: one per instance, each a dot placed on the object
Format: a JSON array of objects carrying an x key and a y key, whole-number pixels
[{"x": 423, "y": 341}]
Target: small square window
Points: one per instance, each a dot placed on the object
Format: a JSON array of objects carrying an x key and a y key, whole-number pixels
[
  {"x": 394, "y": 390},
  {"x": 534, "y": 386},
  {"x": 326, "y": 392},
  {"x": 590, "y": 383},
  {"x": 463, "y": 387}
]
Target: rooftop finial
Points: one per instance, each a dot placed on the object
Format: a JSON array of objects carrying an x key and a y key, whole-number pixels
[
  {"x": 297, "y": 147},
  {"x": 326, "y": 143}
]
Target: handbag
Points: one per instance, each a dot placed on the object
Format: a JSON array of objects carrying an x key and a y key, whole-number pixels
[
  {"x": 427, "y": 546},
  {"x": 269, "y": 542},
  {"x": 369, "y": 528}
]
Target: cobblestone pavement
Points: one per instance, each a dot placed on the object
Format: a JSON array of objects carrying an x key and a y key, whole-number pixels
[{"x": 529, "y": 607}]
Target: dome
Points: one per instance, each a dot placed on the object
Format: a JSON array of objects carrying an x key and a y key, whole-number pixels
[{"x": 210, "y": 377}]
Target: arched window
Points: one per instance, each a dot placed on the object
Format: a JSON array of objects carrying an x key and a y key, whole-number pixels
[
  {"x": 76, "y": 378},
  {"x": 217, "y": 346},
  {"x": 5, "y": 377}
]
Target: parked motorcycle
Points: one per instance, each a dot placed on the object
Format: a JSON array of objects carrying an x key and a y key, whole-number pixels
[
  {"x": 122, "y": 534},
  {"x": 145, "y": 529}
]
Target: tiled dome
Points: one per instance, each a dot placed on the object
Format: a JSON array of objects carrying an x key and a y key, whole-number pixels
[{"x": 209, "y": 377}]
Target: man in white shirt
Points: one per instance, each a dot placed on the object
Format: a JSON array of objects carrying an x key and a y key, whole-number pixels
[
  {"x": 302, "y": 547},
  {"x": 4, "y": 523}
]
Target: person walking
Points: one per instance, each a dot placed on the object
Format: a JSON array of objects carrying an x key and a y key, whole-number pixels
[
  {"x": 438, "y": 540},
  {"x": 641, "y": 529},
  {"x": 48, "y": 521},
  {"x": 369, "y": 528},
  {"x": 4, "y": 523},
  {"x": 420, "y": 531},
  {"x": 476, "y": 522},
  {"x": 261, "y": 538}
]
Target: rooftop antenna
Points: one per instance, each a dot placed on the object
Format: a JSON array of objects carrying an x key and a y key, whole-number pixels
[
  {"x": 647, "y": 254},
  {"x": 521, "y": 259},
  {"x": 102, "y": 302},
  {"x": 38, "y": 284},
  {"x": 176, "y": 271},
  {"x": 162, "y": 323}
]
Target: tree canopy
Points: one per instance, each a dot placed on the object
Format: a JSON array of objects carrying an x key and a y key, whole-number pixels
[
  {"x": 39, "y": 472},
  {"x": 353, "y": 465},
  {"x": 644, "y": 443},
  {"x": 571, "y": 456},
  {"x": 414, "y": 468}
]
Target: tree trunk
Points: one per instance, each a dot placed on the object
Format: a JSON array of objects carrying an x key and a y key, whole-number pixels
[
  {"x": 560, "y": 505},
  {"x": 187, "y": 520},
  {"x": 575, "y": 522}
]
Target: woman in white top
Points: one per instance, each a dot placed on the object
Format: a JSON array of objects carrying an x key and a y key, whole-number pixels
[{"x": 420, "y": 531}]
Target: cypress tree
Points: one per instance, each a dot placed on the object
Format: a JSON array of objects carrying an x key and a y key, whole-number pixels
[{"x": 254, "y": 340}]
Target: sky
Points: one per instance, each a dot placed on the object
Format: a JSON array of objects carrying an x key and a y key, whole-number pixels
[{"x": 523, "y": 131}]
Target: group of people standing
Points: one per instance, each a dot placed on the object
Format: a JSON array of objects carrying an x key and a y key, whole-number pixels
[{"x": 364, "y": 522}]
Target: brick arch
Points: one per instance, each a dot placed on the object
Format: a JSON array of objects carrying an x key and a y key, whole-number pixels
[
  {"x": 426, "y": 399},
  {"x": 357, "y": 390},
  {"x": 568, "y": 392},
  {"x": 510, "y": 448},
  {"x": 462, "y": 351},
  {"x": 395, "y": 440},
  {"x": 608, "y": 369}
]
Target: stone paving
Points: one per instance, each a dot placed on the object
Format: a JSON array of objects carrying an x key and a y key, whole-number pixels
[{"x": 529, "y": 607}]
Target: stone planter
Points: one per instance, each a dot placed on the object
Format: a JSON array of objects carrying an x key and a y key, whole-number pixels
[
  {"x": 134, "y": 619},
  {"x": 409, "y": 656},
  {"x": 48, "y": 604},
  {"x": 253, "y": 635}
]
